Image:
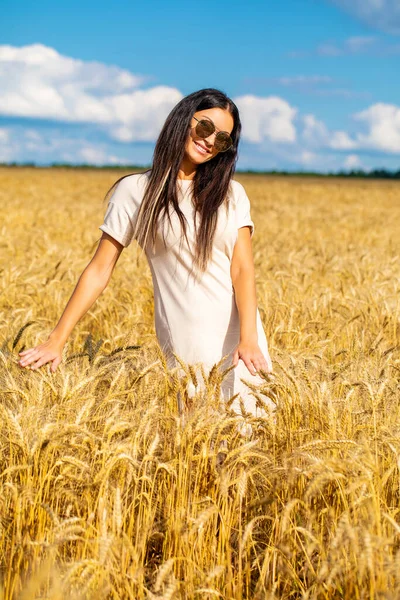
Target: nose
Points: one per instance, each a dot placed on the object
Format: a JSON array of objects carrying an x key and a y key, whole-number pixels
[{"x": 210, "y": 139}]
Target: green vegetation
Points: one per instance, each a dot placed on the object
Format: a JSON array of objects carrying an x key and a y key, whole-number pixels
[{"x": 353, "y": 173}]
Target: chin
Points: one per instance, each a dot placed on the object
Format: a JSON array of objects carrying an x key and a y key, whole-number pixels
[{"x": 196, "y": 159}]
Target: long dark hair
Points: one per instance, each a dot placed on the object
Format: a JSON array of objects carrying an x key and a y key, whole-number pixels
[{"x": 211, "y": 181}]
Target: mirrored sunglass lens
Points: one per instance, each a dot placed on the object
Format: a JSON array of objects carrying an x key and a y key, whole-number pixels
[
  {"x": 223, "y": 141},
  {"x": 204, "y": 128}
]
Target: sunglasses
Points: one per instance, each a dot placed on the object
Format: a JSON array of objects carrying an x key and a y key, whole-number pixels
[{"x": 205, "y": 127}]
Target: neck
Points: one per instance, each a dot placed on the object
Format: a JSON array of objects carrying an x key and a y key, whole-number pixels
[{"x": 187, "y": 169}]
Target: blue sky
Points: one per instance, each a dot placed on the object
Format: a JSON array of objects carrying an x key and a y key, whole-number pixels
[{"x": 316, "y": 82}]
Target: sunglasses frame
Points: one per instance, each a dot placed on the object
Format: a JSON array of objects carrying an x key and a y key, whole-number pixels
[{"x": 214, "y": 131}]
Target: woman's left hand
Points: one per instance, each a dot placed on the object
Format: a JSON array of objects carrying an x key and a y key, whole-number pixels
[{"x": 249, "y": 352}]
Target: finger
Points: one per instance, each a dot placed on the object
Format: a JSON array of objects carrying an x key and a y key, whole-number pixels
[
  {"x": 29, "y": 353},
  {"x": 264, "y": 363},
  {"x": 257, "y": 360},
  {"x": 55, "y": 363},
  {"x": 32, "y": 349},
  {"x": 268, "y": 364},
  {"x": 23, "y": 352},
  {"x": 29, "y": 360},
  {"x": 250, "y": 366},
  {"x": 261, "y": 365},
  {"x": 39, "y": 363}
]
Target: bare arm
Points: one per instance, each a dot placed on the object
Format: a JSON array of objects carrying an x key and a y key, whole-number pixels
[
  {"x": 243, "y": 280},
  {"x": 91, "y": 284}
]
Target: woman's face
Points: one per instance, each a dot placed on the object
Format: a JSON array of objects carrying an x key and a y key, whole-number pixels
[{"x": 199, "y": 150}]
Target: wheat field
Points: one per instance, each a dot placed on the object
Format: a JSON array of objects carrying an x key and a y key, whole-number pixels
[{"x": 106, "y": 492}]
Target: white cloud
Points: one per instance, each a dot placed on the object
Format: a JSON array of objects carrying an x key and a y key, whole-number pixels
[
  {"x": 319, "y": 85},
  {"x": 93, "y": 156},
  {"x": 383, "y": 15},
  {"x": 352, "y": 45},
  {"x": 352, "y": 161},
  {"x": 340, "y": 140},
  {"x": 268, "y": 118},
  {"x": 341, "y": 93},
  {"x": 37, "y": 81},
  {"x": 359, "y": 43},
  {"x": 33, "y": 135},
  {"x": 329, "y": 50},
  {"x": 4, "y": 135},
  {"x": 307, "y": 158},
  {"x": 297, "y": 54},
  {"x": 317, "y": 134},
  {"x": 143, "y": 112},
  {"x": 304, "y": 80},
  {"x": 66, "y": 145},
  {"x": 383, "y": 122},
  {"x": 6, "y": 145}
]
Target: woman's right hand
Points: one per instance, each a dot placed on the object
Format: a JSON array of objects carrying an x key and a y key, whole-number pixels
[
  {"x": 36, "y": 357},
  {"x": 91, "y": 283}
]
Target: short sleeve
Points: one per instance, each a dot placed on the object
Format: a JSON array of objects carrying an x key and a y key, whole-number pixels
[
  {"x": 243, "y": 216},
  {"x": 120, "y": 217}
]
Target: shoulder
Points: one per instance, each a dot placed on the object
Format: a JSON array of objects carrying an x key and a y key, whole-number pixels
[
  {"x": 134, "y": 182},
  {"x": 237, "y": 187},
  {"x": 130, "y": 189},
  {"x": 238, "y": 192}
]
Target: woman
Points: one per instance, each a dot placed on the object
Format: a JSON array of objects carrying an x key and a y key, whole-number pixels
[{"x": 193, "y": 222}]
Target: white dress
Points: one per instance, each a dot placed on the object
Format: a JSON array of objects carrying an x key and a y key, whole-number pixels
[{"x": 195, "y": 318}]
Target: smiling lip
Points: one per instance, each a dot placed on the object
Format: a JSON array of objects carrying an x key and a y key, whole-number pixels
[{"x": 201, "y": 148}]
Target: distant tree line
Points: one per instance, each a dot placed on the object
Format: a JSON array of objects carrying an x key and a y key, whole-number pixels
[{"x": 356, "y": 173}]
